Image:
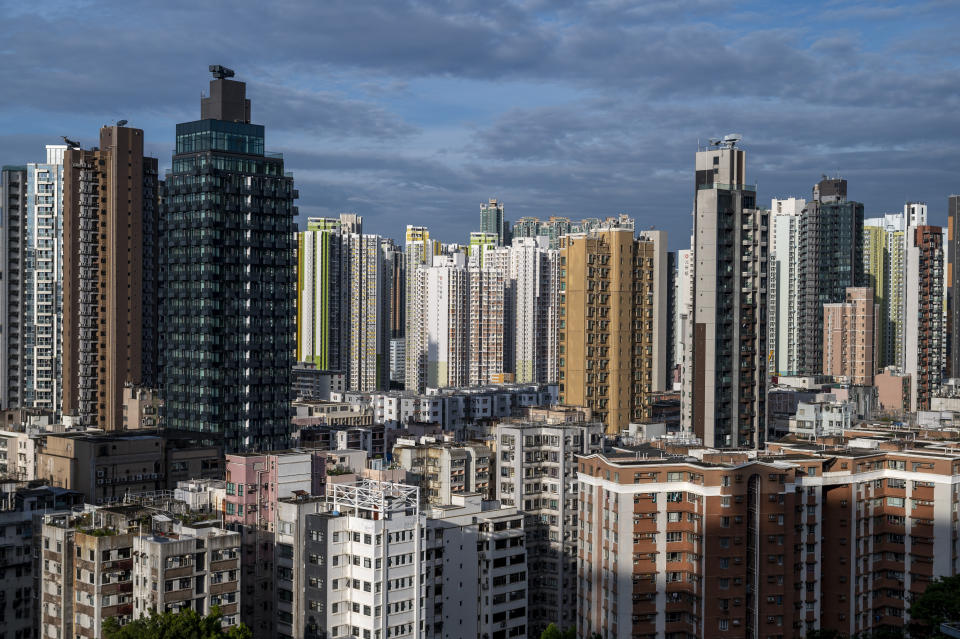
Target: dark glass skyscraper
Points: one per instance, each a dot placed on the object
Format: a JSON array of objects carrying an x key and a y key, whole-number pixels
[
  {"x": 227, "y": 278},
  {"x": 831, "y": 259}
]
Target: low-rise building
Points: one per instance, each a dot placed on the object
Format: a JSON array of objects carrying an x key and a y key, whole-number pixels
[
  {"x": 310, "y": 382},
  {"x": 825, "y": 415},
  {"x": 105, "y": 467},
  {"x": 445, "y": 469}
]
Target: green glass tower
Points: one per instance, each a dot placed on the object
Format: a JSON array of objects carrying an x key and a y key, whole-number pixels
[{"x": 227, "y": 271}]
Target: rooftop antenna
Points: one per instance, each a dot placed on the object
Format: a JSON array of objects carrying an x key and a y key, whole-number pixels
[{"x": 70, "y": 143}]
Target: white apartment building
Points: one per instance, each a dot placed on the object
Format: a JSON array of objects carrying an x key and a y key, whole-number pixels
[
  {"x": 418, "y": 253},
  {"x": 365, "y": 561},
  {"x": 823, "y": 416},
  {"x": 783, "y": 324},
  {"x": 348, "y": 564},
  {"x": 438, "y": 343},
  {"x": 41, "y": 324},
  {"x": 537, "y": 473},
  {"x": 486, "y": 325},
  {"x": 535, "y": 272},
  {"x": 370, "y": 282}
]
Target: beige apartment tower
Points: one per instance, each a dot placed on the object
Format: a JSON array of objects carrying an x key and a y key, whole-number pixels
[
  {"x": 849, "y": 337},
  {"x": 727, "y": 355},
  {"x": 612, "y": 323},
  {"x": 109, "y": 209}
]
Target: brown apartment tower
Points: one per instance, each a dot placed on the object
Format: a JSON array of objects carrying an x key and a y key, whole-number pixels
[
  {"x": 612, "y": 324},
  {"x": 109, "y": 309}
]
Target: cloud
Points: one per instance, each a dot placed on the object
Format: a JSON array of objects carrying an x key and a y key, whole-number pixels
[{"x": 414, "y": 112}]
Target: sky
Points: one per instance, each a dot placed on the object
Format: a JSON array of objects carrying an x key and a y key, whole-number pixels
[{"x": 416, "y": 112}]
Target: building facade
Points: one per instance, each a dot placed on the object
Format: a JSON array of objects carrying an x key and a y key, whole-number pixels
[
  {"x": 228, "y": 287},
  {"x": 849, "y": 339},
  {"x": 536, "y": 473},
  {"x": 42, "y": 322},
  {"x": 727, "y": 354},
  {"x": 109, "y": 279},
  {"x": 924, "y": 347},
  {"x": 492, "y": 221},
  {"x": 13, "y": 232},
  {"x": 612, "y": 323},
  {"x": 831, "y": 259}
]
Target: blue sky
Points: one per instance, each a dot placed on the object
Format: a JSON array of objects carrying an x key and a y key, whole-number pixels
[{"x": 415, "y": 112}]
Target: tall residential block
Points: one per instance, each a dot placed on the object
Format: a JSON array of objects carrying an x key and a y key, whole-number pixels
[
  {"x": 875, "y": 276},
  {"x": 228, "y": 278},
  {"x": 323, "y": 301},
  {"x": 924, "y": 349},
  {"x": 849, "y": 339},
  {"x": 830, "y": 238},
  {"x": 419, "y": 250},
  {"x": 784, "y": 286},
  {"x": 109, "y": 281},
  {"x": 13, "y": 234},
  {"x": 42, "y": 322},
  {"x": 953, "y": 285},
  {"x": 612, "y": 323},
  {"x": 727, "y": 352},
  {"x": 534, "y": 270},
  {"x": 441, "y": 356},
  {"x": 487, "y": 327},
  {"x": 492, "y": 221},
  {"x": 368, "y": 366},
  {"x": 885, "y": 266}
]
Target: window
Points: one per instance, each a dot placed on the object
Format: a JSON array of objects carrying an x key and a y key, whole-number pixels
[{"x": 724, "y": 623}]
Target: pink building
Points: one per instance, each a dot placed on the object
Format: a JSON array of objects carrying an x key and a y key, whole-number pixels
[
  {"x": 893, "y": 390},
  {"x": 848, "y": 337},
  {"x": 255, "y": 483}
]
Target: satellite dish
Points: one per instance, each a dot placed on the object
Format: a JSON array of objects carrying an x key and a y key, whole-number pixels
[
  {"x": 122, "y": 123},
  {"x": 732, "y": 138}
]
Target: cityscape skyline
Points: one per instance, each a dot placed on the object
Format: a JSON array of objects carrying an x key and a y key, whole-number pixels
[{"x": 566, "y": 135}]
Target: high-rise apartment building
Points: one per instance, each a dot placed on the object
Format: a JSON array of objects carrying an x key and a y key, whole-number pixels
[
  {"x": 398, "y": 288},
  {"x": 13, "y": 234},
  {"x": 109, "y": 281},
  {"x": 418, "y": 253},
  {"x": 683, "y": 334},
  {"x": 953, "y": 285},
  {"x": 875, "y": 276},
  {"x": 228, "y": 278},
  {"x": 492, "y": 221},
  {"x": 445, "y": 329},
  {"x": 924, "y": 348},
  {"x": 368, "y": 367},
  {"x": 488, "y": 330},
  {"x": 534, "y": 271},
  {"x": 537, "y": 471},
  {"x": 809, "y": 538},
  {"x": 612, "y": 323},
  {"x": 727, "y": 353},
  {"x": 323, "y": 297},
  {"x": 886, "y": 236},
  {"x": 848, "y": 337},
  {"x": 42, "y": 322},
  {"x": 784, "y": 286},
  {"x": 830, "y": 234}
]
